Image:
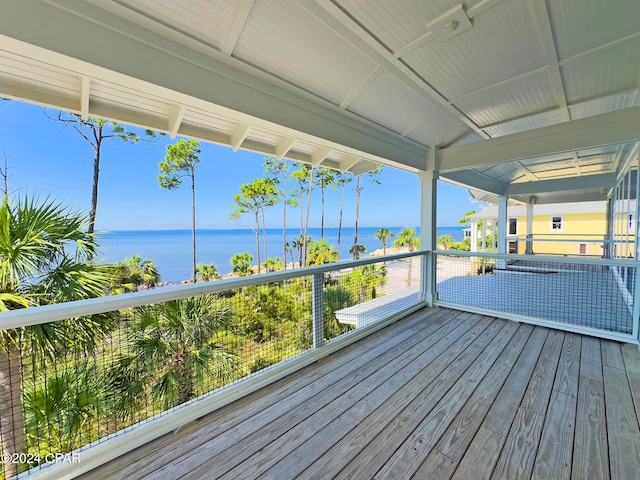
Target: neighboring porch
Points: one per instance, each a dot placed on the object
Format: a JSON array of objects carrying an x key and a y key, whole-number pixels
[{"x": 439, "y": 394}]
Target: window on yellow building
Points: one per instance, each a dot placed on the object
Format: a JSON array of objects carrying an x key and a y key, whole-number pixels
[{"x": 556, "y": 223}]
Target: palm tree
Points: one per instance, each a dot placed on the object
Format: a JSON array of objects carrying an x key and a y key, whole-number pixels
[
  {"x": 299, "y": 244},
  {"x": 63, "y": 410},
  {"x": 356, "y": 250},
  {"x": 383, "y": 235},
  {"x": 133, "y": 274},
  {"x": 335, "y": 298},
  {"x": 208, "y": 272},
  {"x": 321, "y": 252},
  {"x": 407, "y": 238},
  {"x": 273, "y": 264},
  {"x": 242, "y": 264},
  {"x": 171, "y": 357},
  {"x": 44, "y": 258},
  {"x": 373, "y": 276}
]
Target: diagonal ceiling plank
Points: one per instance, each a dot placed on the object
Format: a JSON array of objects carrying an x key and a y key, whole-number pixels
[
  {"x": 502, "y": 83},
  {"x": 175, "y": 120},
  {"x": 579, "y": 55},
  {"x": 527, "y": 172},
  {"x": 333, "y": 16},
  {"x": 319, "y": 155},
  {"x": 240, "y": 16},
  {"x": 85, "y": 88},
  {"x": 375, "y": 73},
  {"x": 283, "y": 146},
  {"x": 363, "y": 167},
  {"x": 576, "y": 159},
  {"x": 238, "y": 136},
  {"x": 545, "y": 35},
  {"x": 348, "y": 162}
]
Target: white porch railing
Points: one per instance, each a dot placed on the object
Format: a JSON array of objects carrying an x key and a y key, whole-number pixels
[
  {"x": 88, "y": 381},
  {"x": 591, "y": 296}
]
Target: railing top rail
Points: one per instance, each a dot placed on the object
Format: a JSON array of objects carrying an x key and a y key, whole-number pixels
[
  {"x": 607, "y": 262},
  {"x": 63, "y": 311}
]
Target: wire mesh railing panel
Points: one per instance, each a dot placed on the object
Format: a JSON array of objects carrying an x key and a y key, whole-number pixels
[
  {"x": 361, "y": 296},
  {"x": 585, "y": 295},
  {"x": 74, "y": 383}
]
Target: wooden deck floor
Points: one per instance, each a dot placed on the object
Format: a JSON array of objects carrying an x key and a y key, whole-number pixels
[{"x": 441, "y": 394}]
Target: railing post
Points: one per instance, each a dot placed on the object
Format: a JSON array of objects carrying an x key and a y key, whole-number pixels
[
  {"x": 636, "y": 305},
  {"x": 317, "y": 309},
  {"x": 428, "y": 278}
]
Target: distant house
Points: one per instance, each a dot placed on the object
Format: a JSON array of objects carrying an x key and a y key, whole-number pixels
[{"x": 558, "y": 228}]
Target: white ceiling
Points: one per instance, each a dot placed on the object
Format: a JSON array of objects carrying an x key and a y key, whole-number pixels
[{"x": 349, "y": 84}]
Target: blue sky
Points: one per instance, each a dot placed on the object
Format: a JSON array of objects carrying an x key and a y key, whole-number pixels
[{"x": 49, "y": 159}]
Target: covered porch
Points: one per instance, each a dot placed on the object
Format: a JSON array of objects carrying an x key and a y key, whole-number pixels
[{"x": 530, "y": 102}]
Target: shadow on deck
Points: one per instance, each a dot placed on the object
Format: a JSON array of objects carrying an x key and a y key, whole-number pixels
[{"x": 440, "y": 394}]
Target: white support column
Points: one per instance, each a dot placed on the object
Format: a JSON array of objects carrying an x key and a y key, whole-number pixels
[
  {"x": 636, "y": 273},
  {"x": 502, "y": 228},
  {"x": 607, "y": 248},
  {"x": 428, "y": 208},
  {"x": 474, "y": 235},
  {"x": 529, "y": 246},
  {"x": 484, "y": 234}
]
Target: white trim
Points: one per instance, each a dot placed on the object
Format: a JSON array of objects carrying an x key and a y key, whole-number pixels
[
  {"x": 605, "y": 129},
  {"x": 63, "y": 311},
  {"x": 593, "y": 332},
  {"x": 553, "y": 221},
  {"x": 544, "y": 258}
]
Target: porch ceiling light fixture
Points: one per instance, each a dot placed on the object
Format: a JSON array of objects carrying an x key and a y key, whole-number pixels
[{"x": 449, "y": 24}]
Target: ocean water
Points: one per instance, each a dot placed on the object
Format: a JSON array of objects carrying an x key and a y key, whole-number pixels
[{"x": 171, "y": 249}]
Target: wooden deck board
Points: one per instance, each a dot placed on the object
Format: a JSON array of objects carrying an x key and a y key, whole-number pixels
[
  {"x": 553, "y": 459},
  {"x": 590, "y": 453},
  {"x": 441, "y": 394},
  {"x": 632, "y": 367},
  {"x": 622, "y": 422}
]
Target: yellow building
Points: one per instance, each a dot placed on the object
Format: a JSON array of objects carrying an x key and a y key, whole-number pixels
[{"x": 558, "y": 229}]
